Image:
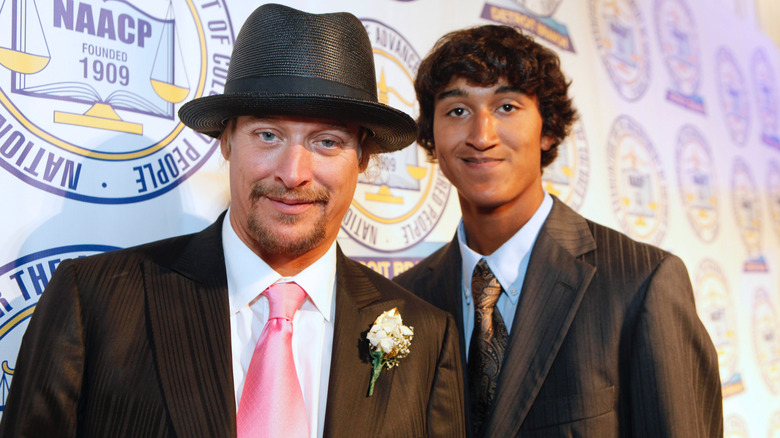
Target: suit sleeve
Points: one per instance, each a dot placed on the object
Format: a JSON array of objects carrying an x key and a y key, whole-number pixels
[
  {"x": 674, "y": 373},
  {"x": 45, "y": 388},
  {"x": 446, "y": 409}
]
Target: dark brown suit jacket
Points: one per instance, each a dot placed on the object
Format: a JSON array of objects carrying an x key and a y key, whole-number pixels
[
  {"x": 136, "y": 343},
  {"x": 605, "y": 342}
]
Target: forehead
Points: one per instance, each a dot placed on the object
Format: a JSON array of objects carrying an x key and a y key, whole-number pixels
[{"x": 460, "y": 87}]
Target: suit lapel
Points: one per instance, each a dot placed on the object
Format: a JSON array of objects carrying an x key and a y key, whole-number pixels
[
  {"x": 444, "y": 288},
  {"x": 350, "y": 412},
  {"x": 554, "y": 285},
  {"x": 186, "y": 293}
]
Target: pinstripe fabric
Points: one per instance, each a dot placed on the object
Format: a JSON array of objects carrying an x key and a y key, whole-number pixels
[
  {"x": 135, "y": 343},
  {"x": 607, "y": 341}
]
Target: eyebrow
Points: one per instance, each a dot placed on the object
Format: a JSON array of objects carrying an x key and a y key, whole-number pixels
[{"x": 458, "y": 92}]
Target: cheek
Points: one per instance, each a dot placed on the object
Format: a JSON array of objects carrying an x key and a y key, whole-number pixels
[{"x": 439, "y": 134}]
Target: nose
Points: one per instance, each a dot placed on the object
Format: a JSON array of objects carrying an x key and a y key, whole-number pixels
[
  {"x": 295, "y": 166},
  {"x": 482, "y": 133}
]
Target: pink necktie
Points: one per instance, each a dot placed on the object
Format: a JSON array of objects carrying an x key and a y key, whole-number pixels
[{"x": 272, "y": 402}]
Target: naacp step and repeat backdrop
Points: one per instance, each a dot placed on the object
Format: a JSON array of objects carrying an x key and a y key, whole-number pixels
[{"x": 678, "y": 145}]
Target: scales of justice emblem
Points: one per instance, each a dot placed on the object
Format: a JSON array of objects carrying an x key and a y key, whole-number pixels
[
  {"x": 623, "y": 46},
  {"x": 5, "y": 383},
  {"x": 397, "y": 206},
  {"x": 401, "y": 169},
  {"x": 567, "y": 176},
  {"x": 636, "y": 182},
  {"x": 747, "y": 211},
  {"x": 697, "y": 182},
  {"x": 639, "y": 198},
  {"x": 107, "y": 79},
  {"x": 91, "y": 89}
]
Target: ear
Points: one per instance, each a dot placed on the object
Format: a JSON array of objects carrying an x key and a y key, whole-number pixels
[
  {"x": 547, "y": 143},
  {"x": 224, "y": 147},
  {"x": 363, "y": 165}
]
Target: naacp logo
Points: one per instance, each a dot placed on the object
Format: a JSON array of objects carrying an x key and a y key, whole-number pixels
[
  {"x": 765, "y": 90},
  {"x": 733, "y": 96},
  {"x": 90, "y": 90},
  {"x": 622, "y": 41},
  {"x": 533, "y": 16},
  {"x": 766, "y": 337},
  {"x": 773, "y": 193},
  {"x": 680, "y": 48},
  {"x": 716, "y": 311},
  {"x": 399, "y": 207},
  {"x": 21, "y": 284},
  {"x": 748, "y": 215},
  {"x": 636, "y": 181},
  {"x": 567, "y": 177},
  {"x": 696, "y": 179}
]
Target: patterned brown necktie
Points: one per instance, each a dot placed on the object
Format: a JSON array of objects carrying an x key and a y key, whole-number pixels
[{"x": 488, "y": 341}]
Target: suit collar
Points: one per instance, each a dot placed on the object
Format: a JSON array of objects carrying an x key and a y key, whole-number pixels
[
  {"x": 550, "y": 298},
  {"x": 186, "y": 297},
  {"x": 569, "y": 229}
]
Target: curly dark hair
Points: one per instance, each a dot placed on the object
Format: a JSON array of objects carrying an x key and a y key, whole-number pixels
[{"x": 484, "y": 55}]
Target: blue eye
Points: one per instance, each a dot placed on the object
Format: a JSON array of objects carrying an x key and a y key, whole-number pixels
[{"x": 267, "y": 136}]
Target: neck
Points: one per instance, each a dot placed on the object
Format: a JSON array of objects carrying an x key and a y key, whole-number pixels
[
  {"x": 282, "y": 261},
  {"x": 487, "y": 228},
  {"x": 288, "y": 266}
]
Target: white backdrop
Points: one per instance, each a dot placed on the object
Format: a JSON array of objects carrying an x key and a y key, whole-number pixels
[{"x": 678, "y": 145}]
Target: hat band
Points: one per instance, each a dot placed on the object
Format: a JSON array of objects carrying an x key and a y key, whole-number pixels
[{"x": 295, "y": 85}]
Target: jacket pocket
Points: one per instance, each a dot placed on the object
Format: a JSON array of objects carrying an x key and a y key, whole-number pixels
[{"x": 570, "y": 409}]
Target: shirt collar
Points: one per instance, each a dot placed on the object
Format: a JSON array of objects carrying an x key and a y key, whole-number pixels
[
  {"x": 249, "y": 275},
  {"x": 505, "y": 261}
]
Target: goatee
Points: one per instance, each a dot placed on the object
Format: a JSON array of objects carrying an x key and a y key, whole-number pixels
[{"x": 268, "y": 239}]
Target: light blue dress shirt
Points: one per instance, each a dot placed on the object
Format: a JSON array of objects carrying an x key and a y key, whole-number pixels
[{"x": 508, "y": 263}]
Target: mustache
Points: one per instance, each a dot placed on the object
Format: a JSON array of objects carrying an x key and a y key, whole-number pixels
[{"x": 309, "y": 194}]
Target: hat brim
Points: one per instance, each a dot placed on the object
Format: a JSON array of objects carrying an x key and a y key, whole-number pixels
[{"x": 393, "y": 129}]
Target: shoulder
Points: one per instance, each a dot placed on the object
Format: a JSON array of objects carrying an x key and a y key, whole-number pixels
[
  {"x": 621, "y": 262},
  {"x": 204, "y": 246},
  {"x": 447, "y": 256},
  {"x": 629, "y": 268},
  {"x": 616, "y": 245},
  {"x": 390, "y": 289},
  {"x": 159, "y": 251}
]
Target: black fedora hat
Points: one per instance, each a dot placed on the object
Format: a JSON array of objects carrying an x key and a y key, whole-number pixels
[{"x": 290, "y": 62}]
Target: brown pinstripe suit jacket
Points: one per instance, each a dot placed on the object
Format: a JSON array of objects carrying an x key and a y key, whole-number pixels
[
  {"x": 605, "y": 342},
  {"x": 136, "y": 343}
]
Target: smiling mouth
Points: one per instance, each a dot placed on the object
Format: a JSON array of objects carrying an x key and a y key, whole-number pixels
[
  {"x": 292, "y": 201},
  {"x": 480, "y": 160}
]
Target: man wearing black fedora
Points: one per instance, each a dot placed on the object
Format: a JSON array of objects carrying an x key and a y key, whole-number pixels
[{"x": 258, "y": 325}]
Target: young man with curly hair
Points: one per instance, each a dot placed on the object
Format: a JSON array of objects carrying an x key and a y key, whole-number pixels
[{"x": 567, "y": 328}]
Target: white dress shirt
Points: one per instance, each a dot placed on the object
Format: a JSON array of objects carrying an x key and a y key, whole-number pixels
[
  {"x": 312, "y": 340},
  {"x": 508, "y": 263}
]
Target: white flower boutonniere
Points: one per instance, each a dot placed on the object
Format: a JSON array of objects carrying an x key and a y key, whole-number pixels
[{"x": 389, "y": 340}]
